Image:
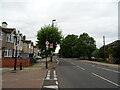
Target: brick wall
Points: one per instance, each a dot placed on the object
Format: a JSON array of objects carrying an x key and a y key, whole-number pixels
[{"x": 9, "y": 62}]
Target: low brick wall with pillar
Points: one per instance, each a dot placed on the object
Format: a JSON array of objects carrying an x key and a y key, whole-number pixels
[{"x": 9, "y": 62}]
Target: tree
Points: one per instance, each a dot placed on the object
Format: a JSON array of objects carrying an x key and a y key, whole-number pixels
[
  {"x": 72, "y": 46},
  {"x": 48, "y": 33},
  {"x": 95, "y": 53},
  {"x": 86, "y": 45},
  {"x": 67, "y": 45}
]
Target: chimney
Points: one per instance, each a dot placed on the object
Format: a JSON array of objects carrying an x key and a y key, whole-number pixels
[
  {"x": 24, "y": 37},
  {"x": 4, "y": 24}
]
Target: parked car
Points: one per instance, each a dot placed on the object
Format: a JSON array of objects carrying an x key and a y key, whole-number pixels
[
  {"x": 92, "y": 58},
  {"x": 37, "y": 57}
]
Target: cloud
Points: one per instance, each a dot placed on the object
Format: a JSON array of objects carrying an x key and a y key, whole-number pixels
[{"x": 96, "y": 17}]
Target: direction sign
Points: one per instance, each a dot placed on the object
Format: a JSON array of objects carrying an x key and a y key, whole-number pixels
[
  {"x": 47, "y": 43},
  {"x": 51, "y": 45}
]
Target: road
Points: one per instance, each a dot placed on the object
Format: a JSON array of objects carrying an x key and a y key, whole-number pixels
[{"x": 75, "y": 74}]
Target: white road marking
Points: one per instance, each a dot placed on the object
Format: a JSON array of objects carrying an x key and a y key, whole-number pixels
[
  {"x": 48, "y": 71},
  {"x": 47, "y": 78},
  {"x": 109, "y": 70},
  {"x": 54, "y": 73},
  {"x": 56, "y": 82},
  {"x": 57, "y": 61},
  {"x": 106, "y": 80},
  {"x": 55, "y": 78},
  {"x": 80, "y": 67},
  {"x": 72, "y": 63},
  {"x": 51, "y": 86},
  {"x": 48, "y": 75}
]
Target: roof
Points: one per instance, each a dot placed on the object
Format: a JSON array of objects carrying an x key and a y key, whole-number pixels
[
  {"x": 7, "y": 30},
  {"x": 35, "y": 46},
  {"x": 115, "y": 43},
  {"x": 27, "y": 41}
]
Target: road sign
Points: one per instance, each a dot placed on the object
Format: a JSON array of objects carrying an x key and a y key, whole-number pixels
[
  {"x": 51, "y": 45},
  {"x": 47, "y": 43}
]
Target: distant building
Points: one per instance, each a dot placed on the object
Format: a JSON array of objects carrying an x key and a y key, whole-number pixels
[{"x": 119, "y": 20}]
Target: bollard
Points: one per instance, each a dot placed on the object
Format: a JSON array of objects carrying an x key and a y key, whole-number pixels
[{"x": 20, "y": 66}]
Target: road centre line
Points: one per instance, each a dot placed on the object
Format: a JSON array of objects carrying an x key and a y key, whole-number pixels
[
  {"x": 72, "y": 63},
  {"x": 106, "y": 80},
  {"x": 80, "y": 67},
  {"x": 109, "y": 70}
]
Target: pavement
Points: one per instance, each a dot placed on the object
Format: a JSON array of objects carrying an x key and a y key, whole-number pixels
[
  {"x": 29, "y": 77},
  {"x": 101, "y": 63}
]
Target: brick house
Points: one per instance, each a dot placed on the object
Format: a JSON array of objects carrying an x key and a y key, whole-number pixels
[
  {"x": 28, "y": 46},
  {"x": 19, "y": 45},
  {"x": 7, "y": 40},
  {"x": 12, "y": 41}
]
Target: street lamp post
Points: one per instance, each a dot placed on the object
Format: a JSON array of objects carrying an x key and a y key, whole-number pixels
[
  {"x": 15, "y": 54},
  {"x": 53, "y": 22},
  {"x": 52, "y": 26}
]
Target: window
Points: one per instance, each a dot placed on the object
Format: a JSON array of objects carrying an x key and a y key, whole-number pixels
[
  {"x": 29, "y": 46},
  {"x": 8, "y": 53},
  {"x": 0, "y": 35},
  {"x": 9, "y": 38}
]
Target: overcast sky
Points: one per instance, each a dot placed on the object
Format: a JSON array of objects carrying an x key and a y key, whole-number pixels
[{"x": 95, "y": 17}]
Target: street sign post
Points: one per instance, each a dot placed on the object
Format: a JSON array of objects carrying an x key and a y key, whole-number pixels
[{"x": 47, "y": 46}]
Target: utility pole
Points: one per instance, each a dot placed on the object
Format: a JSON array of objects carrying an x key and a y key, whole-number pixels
[{"x": 104, "y": 47}]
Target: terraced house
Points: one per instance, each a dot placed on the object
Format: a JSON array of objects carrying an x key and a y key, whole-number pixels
[
  {"x": 7, "y": 41},
  {"x": 12, "y": 42}
]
